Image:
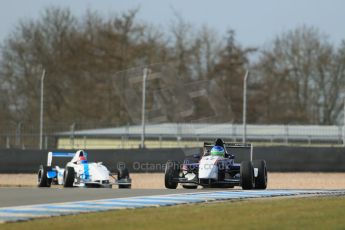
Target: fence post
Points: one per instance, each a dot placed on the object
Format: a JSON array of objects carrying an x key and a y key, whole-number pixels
[
  {"x": 8, "y": 142},
  {"x": 286, "y": 134},
  {"x": 160, "y": 141},
  {"x": 45, "y": 142},
  {"x": 344, "y": 125},
  {"x": 18, "y": 134},
  {"x": 340, "y": 134},
  {"x": 41, "y": 108},
  {"x": 234, "y": 134},
  {"x": 84, "y": 142},
  {"x": 145, "y": 74},
  {"x": 72, "y": 128},
  {"x": 122, "y": 142},
  {"x": 245, "y": 107}
]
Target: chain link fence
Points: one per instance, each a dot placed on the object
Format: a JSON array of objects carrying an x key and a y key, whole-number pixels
[
  {"x": 178, "y": 111},
  {"x": 162, "y": 135},
  {"x": 170, "y": 97}
]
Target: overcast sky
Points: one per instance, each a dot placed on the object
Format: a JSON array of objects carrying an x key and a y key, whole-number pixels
[{"x": 256, "y": 22}]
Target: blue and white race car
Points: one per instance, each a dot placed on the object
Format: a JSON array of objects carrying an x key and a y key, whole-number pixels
[
  {"x": 217, "y": 169},
  {"x": 80, "y": 173}
]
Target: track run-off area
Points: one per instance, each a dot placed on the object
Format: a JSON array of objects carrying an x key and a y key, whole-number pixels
[{"x": 22, "y": 204}]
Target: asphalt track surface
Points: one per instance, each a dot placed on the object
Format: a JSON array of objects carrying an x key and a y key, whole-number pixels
[
  {"x": 18, "y": 196},
  {"x": 28, "y": 196}
]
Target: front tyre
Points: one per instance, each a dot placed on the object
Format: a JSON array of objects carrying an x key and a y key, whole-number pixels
[
  {"x": 123, "y": 173},
  {"x": 261, "y": 179},
  {"x": 42, "y": 177},
  {"x": 172, "y": 170},
  {"x": 68, "y": 177},
  {"x": 247, "y": 175}
]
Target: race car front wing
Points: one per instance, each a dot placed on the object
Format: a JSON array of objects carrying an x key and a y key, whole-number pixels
[{"x": 206, "y": 181}]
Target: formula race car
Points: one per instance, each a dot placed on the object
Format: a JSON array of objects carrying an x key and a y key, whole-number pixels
[
  {"x": 217, "y": 169},
  {"x": 79, "y": 173}
]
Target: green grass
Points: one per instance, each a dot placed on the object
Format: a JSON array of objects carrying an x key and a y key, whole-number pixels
[{"x": 286, "y": 213}]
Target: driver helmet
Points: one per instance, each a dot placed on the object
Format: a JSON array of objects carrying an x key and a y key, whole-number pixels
[
  {"x": 217, "y": 151},
  {"x": 82, "y": 160}
]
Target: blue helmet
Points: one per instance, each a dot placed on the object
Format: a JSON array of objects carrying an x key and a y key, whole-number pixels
[{"x": 217, "y": 151}]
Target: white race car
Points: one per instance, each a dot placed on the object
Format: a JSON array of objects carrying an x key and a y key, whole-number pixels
[
  {"x": 217, "y": 169},
  {"x": 79, "y": 173}
]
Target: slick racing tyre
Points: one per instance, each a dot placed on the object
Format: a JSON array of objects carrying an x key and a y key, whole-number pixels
[
  {"x": 247, "y": 175},
  {"x": 42, "y": 178},
  {"x": 261, "y": 179},
  {"x": 68, "y": 177},
  {"x": 172, "y": 170},
  {"x": 123, "y": 173}
]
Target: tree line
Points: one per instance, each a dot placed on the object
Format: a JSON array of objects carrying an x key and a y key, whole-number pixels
[{"x": 298, "y": 78}]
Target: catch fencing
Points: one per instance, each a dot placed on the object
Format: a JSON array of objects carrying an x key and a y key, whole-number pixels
[
  {"x": 166, "y": 135},
  {"x": 158, "y": 107}
]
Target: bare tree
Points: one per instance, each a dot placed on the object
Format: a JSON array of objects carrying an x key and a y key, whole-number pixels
[
  {"x": 229, "y": 72},
  {"x": 182, "y": 39},
  {"x": 300, "y": 78}
]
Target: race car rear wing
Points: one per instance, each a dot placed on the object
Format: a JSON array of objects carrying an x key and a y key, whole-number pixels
[
  {"x": 234, "y": 145},
  {"x": 59, "y": 154}
]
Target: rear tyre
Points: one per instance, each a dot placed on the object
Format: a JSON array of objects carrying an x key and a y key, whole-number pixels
[
  {"x": 42, "y": 177},
  {"x": 123, "y": 173},
  {"x": 261, "y": 179},
  {"x": 172, "y": 170},
  {"x": 68, "y": 177},
  {"x": 247, "y": 175}
]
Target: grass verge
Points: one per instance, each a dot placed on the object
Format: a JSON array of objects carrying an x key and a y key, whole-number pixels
[{"x": 296, "y": 213}]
